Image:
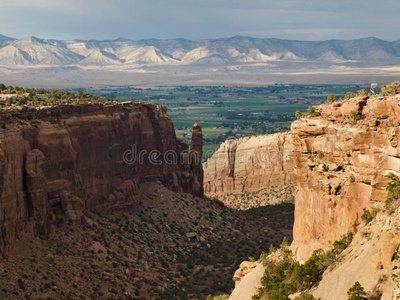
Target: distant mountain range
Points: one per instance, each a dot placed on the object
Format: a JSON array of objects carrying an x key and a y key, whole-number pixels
[{"x": 225, "y": 51}]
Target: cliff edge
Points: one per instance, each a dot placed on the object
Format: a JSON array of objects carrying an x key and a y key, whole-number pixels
[
  {"x": 337, "y": 161},
  {"x": 338, "y": 167},
  {"x": 62, "y": 160}
]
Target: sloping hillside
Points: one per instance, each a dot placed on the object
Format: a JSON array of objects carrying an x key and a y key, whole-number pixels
[{"x": 156, "y": 245}]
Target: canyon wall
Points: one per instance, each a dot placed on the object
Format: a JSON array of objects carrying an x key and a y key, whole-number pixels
[
  {"x": 336, "y": 163},
  {"x": 247, "y": 165},
  {"x": 70, "y": 158},
  {"x": 339, "y": 168}
]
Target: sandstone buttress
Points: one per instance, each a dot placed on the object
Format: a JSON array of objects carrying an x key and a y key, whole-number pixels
[{"x": 337, "y": 167}]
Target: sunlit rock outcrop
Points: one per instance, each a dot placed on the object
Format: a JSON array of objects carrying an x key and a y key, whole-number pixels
[{"x": 336, "y": 162}]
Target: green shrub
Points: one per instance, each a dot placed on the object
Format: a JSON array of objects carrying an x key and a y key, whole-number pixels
[
  {"x": 312, "y": 112},
  {"x": 305, "y": 296},
  {"x": 342, "y": 244},
  {"x": 356, "y": 292},
  {"x": 368, "y": 216},
  {"x": 390, "y": 89},
  {"x": 41, "y": 97},
  {"x": 272, "y": 249},
  {"x": 211, "y": 297},
  {"x": 287, "y": 276},
  {"x": 331, "y": 98},
  {"x": 285, "y": 243},
  {"x": 329, "y": 259},
  {"x": 393, "y": 189},
  {"x": 298, "y": 115},
  {"x": 362, "y": 92},
  {"x": 275, "y": 283},
  {"x": 263, "y": 256},
  {"x": 355, "y": 117},
  {"x": 349, "y": 95},
  {"x": 325, "y": 168}
]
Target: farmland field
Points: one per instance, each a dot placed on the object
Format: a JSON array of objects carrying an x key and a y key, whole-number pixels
[{"x": 229, "y": 112}]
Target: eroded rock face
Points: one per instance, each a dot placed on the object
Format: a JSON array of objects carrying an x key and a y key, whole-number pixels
[
  {"x": 72, "y": 206},
  {"x": 247, "y": 165},
  {"x": 371, "y": 260},
  {"x": 337, "y": 167},
  {"x": 73, "y": 157},
  {"x": 196, "y": 151},
  {"x": 36, "y": 191},
  {"x": 340, "y": 168},
  {"x": 244, "y": 268}
]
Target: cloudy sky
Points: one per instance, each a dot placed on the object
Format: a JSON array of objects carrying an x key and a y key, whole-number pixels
[{"x": 201, "y": 19}]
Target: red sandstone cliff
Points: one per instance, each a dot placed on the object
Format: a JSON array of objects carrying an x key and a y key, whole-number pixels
[
  {"x": 247, "y": 165},
  {"x": 329, "y": 200},
  {"x": 68, "y": 158}
]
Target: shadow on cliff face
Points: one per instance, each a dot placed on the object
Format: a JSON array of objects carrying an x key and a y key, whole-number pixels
[{"x": 159, "y": 245}]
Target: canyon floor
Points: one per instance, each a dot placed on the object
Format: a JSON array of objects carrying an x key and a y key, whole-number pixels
[{"x": 161, "y": 245}]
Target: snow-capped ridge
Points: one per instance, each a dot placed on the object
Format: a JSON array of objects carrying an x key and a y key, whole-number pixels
[{"x": 226, "y": 51}]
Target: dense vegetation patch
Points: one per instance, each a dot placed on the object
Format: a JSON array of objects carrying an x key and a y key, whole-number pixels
[
  {"x": 21, "y": 97},
  {"x": 331, "y": 98},
  {"x": 368, "y": 216},
  {"x": 393, "y": 196},
  {"x": 286, "y": 276},
  {"x": 349, "y": 95},
  {"x": 312, "y": 112},
  {"x": 357, "y": 292},
  {"x": 393, "y": 188},
  {"x": 305, "y": 296},
  {"x": 390, "y": 89}
]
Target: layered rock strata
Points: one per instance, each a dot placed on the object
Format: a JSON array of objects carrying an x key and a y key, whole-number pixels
[
  {"x": 337, "y": 162},
  {"x": 73, "y": 157},
  {"x": 339, "y": 167},
  {"x": 247, "y": 165}
]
